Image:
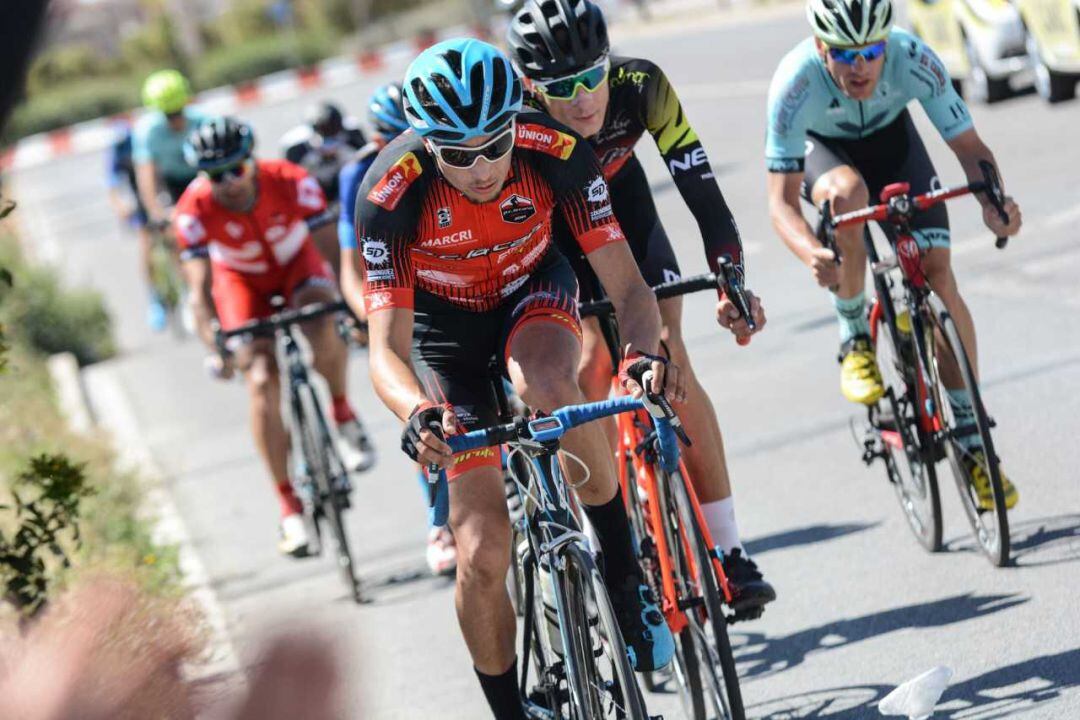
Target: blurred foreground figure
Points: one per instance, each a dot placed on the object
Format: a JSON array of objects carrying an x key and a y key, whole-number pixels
[{"x": 105, "y": 653}]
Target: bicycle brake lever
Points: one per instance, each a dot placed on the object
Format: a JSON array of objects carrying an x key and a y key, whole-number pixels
[
  {"x": 658, "y": 407},
  {"x": 996, "y": 196}
]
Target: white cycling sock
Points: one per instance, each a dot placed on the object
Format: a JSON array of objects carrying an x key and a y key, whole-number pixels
[{"x": 720, "y": 517}]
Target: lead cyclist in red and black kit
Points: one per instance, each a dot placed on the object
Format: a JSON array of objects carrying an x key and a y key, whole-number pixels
[
  {"x": 454, "y": 224},
  {"x": 561, "y": 46}
]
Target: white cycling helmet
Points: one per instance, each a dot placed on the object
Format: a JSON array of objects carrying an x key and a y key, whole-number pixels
[{"x": 846, "y": 23}]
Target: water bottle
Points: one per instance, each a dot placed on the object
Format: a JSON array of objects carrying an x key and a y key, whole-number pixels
[{"x": 551, "y": 616}]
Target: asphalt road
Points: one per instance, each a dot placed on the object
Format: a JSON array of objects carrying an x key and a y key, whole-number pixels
[{"x": 861, "y": 606}]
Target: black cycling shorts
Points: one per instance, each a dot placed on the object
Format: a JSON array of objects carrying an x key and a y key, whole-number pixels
[
  {"x": 632, "y": 202},
  {"x": 893, "y": 154},
  {"x": 453, "y": 349}
]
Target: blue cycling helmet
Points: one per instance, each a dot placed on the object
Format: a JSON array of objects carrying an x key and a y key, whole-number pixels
[
  {"x": 385, "y": 112},
  {"x": 219, "y": 142},
  {"x": 460, "y": 89}
]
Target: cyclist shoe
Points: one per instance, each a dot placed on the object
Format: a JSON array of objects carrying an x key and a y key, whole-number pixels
[
  {"x": 294, "y": 537},
  {"x": 748, "y": 588},
  {"x": 975, "y": 464},
  {"x": 648, "y": 640},
  {"x": 156, "y": 315},
  {"x": 860, "y": 379},
  {"x": 441, "y": 551},
  {"x": 356, "y": 449}
]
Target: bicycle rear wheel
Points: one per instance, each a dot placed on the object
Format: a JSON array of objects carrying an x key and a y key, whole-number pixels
[
  {"x": 991, "y": 528},
  {"x": 598, "y": 672},
  {"x": 907, "y": 449},
  {"x": 329, "y": 476},
  {"x": 718, "y": 682}
]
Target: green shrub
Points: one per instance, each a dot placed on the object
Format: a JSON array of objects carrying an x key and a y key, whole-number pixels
[
  {"x": 237, "y": 64},
  {"x": 65, "y": 65},
  {"x": 48, "y": 318},
  {"x": 70, "y": 103}
]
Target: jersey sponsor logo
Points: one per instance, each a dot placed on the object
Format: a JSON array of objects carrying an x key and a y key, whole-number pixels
[
  {"x": 375, "y": 252},
  {"x": 623, "y": 76},
  {"x": 451, "y": 239},
  {"x": 191, "y": 229},
  {"x": 597, "y": 191},
  {"x": 835, "y": 108},
  {"x": 511, "y": 287},
  {"x": 511, "y": 269},
  {"x": 517, "y": 208},
  {"x": 482, "y": 251},
  {"x": 476, "y": 455},
  {"x": 613, "y": 129},
  {"x": 790, "y": 104},
  {"x": 597, "y": 215},
  {"x": 671, "y": 276},
  {"x": 444, "y": 217},
  {"x": 546, "y": 140},
  {"x": 390, "y": 189},
  {"x": 380, "y": 275},
  {"x": 931, "y": 63},
  {"x": 309, "y": 194},
  {"x": 234, "y": 229},
  {"x": 377, "y": 300},
  {"x": 691, "y": 159},
  {"x": 612, "y": 155}
]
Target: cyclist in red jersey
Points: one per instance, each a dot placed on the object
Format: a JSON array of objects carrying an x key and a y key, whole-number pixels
[
  {"x": 562, "y": 48},
  {"x": 454, "y": 226},
  {"x": 245, "y": 232}
]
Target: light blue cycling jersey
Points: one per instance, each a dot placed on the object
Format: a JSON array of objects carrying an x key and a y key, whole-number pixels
[
  {"x": 804, "y": 97},
  {"x": 154, "y": 141}
]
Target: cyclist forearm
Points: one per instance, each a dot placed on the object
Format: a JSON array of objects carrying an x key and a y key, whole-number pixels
[
  {"x": 639, "y": 317},
  {"x": 146, "y": 180},
  {"x": 970, "y": 150},
  {"x": 787, "y": 218},
  {"x": 390, "y": 333},
  {"x": 351, "y": 286},
  {"x": 196, "y": 273}
]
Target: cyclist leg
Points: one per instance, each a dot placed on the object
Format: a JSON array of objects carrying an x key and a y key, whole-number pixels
[
  {"x": 931, "y": 231},
  {"x": 309, "y": 281},
  {"x": 832, "y": 175},
  {"x": 542, "y": 349},
  {"x": 238, "y": 302},
  {"x": 450, "y": 353}
]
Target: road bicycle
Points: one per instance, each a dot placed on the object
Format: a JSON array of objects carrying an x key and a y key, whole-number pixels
[
  {"x": 320, "y": 478},
  {"x": 575, "y": 663},
  {"x": 913, "y": 426},
  {"x": 673, "y": 542}
]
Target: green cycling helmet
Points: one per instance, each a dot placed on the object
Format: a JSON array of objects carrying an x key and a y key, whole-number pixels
[{"x": 166, "y": 90}]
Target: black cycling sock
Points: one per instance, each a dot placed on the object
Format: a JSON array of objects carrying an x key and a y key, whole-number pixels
[
  {"x": 502, "y": 693},
  {"x": 613, "y": 530}
]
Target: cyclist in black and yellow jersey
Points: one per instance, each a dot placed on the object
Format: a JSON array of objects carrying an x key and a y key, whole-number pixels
[{"x": 561, "y": 46}]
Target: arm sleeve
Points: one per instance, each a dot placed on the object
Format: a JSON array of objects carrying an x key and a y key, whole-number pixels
[
  {"x": 384, "y": 240},
  {"x": 348, "y": 184},
  {"x": 785, "y": 143},
  {"x": 689, "y": 166},
  {"x": 115, "y": 174},
  {"x": 929, "y": 81},
  {"x": 190, "y": 233}
]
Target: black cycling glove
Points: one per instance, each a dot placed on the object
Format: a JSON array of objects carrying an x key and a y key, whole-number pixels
[{"x": 425, "y": 416}]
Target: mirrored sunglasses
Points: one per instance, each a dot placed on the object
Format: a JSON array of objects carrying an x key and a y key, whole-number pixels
[
  {"x": 464, "y": 157},
  {"x": 565, "y": 88},
  {"x": 847, "y": 56},
  {"x": 230, "y": 173}
]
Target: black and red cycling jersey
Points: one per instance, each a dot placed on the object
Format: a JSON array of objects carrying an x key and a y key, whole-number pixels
[
  {"x": 642, "y": 100},
  {"x": 417, "y": 231}
]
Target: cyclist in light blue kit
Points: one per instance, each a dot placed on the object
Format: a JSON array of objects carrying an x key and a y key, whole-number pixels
[{"x": 839, "y": 130}]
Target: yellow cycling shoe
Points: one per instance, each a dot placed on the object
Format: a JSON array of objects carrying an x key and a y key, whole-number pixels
[
  {"x": 975, "y": 464},
  {"x": 860, "y": 379}
]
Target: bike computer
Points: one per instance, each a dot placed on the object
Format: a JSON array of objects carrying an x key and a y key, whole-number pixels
[{"x": 546, "y": 428}]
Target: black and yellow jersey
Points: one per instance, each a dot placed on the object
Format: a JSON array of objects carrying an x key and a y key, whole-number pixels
[{"x": 642, "y": 100}]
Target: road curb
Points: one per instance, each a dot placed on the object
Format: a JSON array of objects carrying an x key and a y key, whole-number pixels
[{"x": 94, "y": 397}]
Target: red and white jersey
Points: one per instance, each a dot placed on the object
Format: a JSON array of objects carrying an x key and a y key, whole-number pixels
[{"x": 262, "y": 241}]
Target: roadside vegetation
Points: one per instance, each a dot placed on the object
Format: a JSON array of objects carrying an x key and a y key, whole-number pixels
[
  {"x": 75, "y": 82},
  {"x": 65, "y": 510}
]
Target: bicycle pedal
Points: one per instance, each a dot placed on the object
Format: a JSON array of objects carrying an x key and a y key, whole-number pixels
[{"x": 745, "y": 615}]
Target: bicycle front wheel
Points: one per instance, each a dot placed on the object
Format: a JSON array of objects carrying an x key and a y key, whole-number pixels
[
  {"x": 897, "y": 419},
  {"x": 720, "y": 693},
  {"x": 329, "y": 476},
  {"x": 598, "y": 672},
  {"x": 991, "y": 528}
]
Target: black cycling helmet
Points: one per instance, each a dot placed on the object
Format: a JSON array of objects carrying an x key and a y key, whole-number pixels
[
  {"x": 219, "y": 142},
  {"x": 553, "y": 38},
  {"x": 325, "y": 119}
]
